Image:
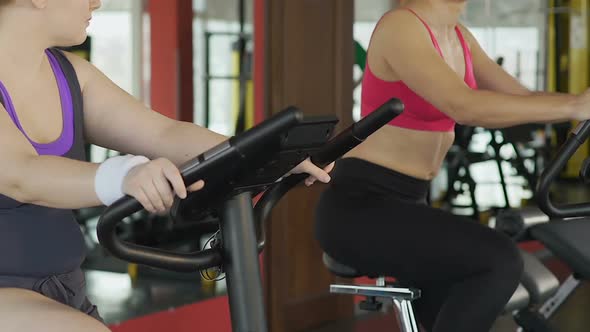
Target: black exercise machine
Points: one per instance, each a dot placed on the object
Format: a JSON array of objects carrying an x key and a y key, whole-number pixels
[
  {"x": 562, "y": 229},
  {"x": 246, "y": 165}
]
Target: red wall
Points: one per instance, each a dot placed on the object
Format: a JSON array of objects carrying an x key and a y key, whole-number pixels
[{"x": 171, "y": 31}]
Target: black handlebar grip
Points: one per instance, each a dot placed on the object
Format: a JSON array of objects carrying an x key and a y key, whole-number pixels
[
  {"x": 358, "y": 132},
  {"x": 552, "y": 171},
  {"x": 334, "y": 149},
  {"x": 378, "y": 118},
  {"x": 250, "y": 143}
]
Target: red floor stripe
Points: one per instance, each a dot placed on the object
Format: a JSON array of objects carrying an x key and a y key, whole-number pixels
[{"x": 210, "y": 315}]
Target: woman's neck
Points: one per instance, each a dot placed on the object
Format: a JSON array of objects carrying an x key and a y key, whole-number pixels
[
  {"x": 440, "y": 14},
  {"x": 23, "y": 49}
]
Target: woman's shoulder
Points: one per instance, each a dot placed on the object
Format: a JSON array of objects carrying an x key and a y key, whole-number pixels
[
  {"x": 399, "y": 25},
  {"x": 81, "y": 66},
  {"x": 396, "y": 17},
  {"x": 467, "y": 35}
]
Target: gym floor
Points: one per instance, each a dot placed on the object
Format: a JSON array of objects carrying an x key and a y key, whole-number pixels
[
  {"x": 120, "y": 299},
  {"x": 151, "y": 295},
  {"x": 573, "y": 317}
]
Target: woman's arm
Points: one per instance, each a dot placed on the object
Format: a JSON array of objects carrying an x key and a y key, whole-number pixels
[
  {"x": 116, "y": 120},
  {"x": 405, "y": 45},
  {"x": 490, "y": 75},
  {"x": 42, "y": 180},
  {"x": 64, "y": 183}
]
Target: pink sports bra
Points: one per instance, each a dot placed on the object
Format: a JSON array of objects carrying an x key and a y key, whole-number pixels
[{"x": 419, "y": 114}]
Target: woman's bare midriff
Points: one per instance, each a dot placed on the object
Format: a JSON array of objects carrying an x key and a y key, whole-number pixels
[{"x": 419, "y": 154}]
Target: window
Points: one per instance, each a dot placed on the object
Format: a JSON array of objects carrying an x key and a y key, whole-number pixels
[
  {"x": 515, "y": 31},
  {"x": 219, "y": 20},
  {"x": 117, "y": 39}
]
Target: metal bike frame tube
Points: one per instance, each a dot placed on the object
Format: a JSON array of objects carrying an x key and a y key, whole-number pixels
[{"x": 242, "y": 268}]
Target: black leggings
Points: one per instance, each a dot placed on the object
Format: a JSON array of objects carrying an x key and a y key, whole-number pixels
[{"x": 376, "y": 220}]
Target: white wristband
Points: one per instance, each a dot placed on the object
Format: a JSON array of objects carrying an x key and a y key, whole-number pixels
[{"x": 108, "y": 182}]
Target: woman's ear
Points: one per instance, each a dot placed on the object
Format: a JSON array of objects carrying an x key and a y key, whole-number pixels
[{"x": 39, "y": 4}]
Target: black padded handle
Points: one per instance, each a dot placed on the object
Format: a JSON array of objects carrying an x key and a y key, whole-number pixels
[
  {"x": 585, "y": 171},
  {"x": 358, "y": 132},
  {"x": 248, "y": 143},
  {"x": 334, "y": 149},
  {"x": 551, "y": 173}
]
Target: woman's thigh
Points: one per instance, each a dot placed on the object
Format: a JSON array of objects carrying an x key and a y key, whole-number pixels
[
  {"x": 27, "y": 311},
  {"x": 409, "y": 241}
]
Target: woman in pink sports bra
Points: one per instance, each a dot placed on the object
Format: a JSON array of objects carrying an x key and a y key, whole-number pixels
[{"x": 374, "y": 217}]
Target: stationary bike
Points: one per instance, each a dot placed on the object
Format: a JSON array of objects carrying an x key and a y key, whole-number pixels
[{"x": 246, "y": 165}]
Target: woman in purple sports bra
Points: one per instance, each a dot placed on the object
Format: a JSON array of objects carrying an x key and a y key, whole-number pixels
[{"x": 51, "y": 104}]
